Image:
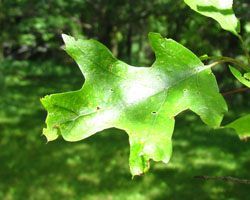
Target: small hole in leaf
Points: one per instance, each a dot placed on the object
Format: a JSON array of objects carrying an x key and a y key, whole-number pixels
[
  {"x": 98, "y": 108},
  {"x": 154, "y": 112}
]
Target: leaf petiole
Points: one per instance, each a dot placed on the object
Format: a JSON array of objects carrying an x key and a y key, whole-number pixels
[{"x": 224, "y": 60}]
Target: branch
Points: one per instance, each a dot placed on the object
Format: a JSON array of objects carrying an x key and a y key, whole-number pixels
[
  {"x": 235, "y": 91},
  {"x": 224, "y": 178}
]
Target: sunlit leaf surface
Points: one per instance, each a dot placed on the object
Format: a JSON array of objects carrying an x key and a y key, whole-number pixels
[
  {"x": 219, "y": 10},
  {"x": 143, "y": 101}
]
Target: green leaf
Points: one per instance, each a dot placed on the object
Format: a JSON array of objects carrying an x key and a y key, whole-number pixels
[
  {"x": 219, "y": 10},
  {"x": 247, "y": 76},
  {"x": 245, "y": 79},
  {"x": 143, "y": 101},
  {"x": 241, "y": 126}
]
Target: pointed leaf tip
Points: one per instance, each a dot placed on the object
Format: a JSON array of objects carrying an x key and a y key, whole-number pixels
[
  {"x": 64, "y": 36},
  {"x": 154, "y": 37},
  {"x": 68, "y": 39},
  {"x": 153, "y": 34}
]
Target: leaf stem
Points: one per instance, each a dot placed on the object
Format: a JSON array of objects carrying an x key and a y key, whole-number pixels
[
  {"x": 245, "y": 48},
  {"x": 224, "y": 178},
  {"x": 226, "y": 59},
  {"x": 215, "y": 63},
  {"x": 215, "y": 57}
]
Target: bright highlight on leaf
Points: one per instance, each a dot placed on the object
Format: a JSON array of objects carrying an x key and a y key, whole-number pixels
[
  {"x": 143, "y": 101},
  {"x": 219, "y": 10}
]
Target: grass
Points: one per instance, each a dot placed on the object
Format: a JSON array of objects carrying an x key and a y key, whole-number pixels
[{"x": 97, "y": 168}]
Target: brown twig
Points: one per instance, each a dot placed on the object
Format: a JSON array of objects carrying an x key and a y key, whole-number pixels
[
  {"x": 224, "y": 178},
  {"x": 235, "y": 91}
]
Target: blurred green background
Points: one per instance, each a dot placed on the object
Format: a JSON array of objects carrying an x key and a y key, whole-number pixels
[{"x": 33, "y": 64}]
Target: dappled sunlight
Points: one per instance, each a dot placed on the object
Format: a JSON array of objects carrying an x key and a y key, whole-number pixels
[
  {"x": 94, "y": 168},
  {"x": 135, "y": 92},
  {"x": 33, "y": 63},
  {"x": 97, "y": 167}
]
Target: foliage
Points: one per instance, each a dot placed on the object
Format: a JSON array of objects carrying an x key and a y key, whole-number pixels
[
  {"x": 241, "y": 126},
  {"x": 117, "y": 95},
  {"x": 243, "y": 79},
  {"x": 97, "y": 167},
  {"x": 143, "y": 101},
  {"x": 219, "y": 10}
]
